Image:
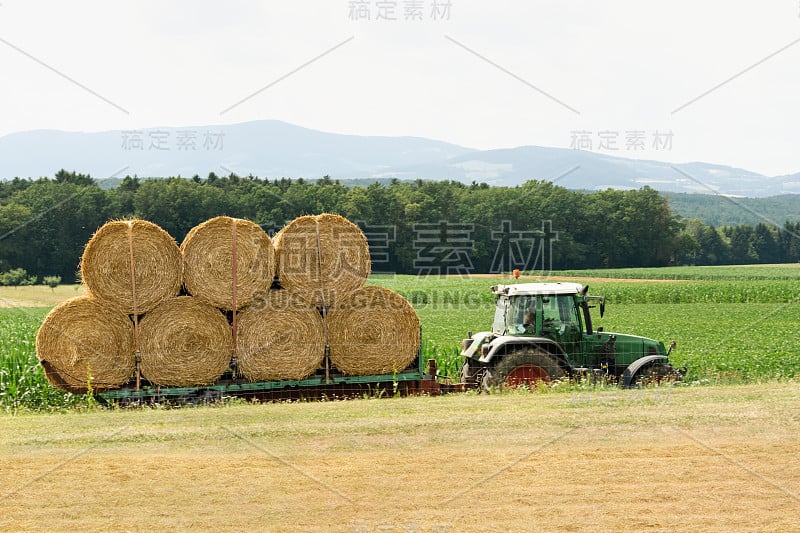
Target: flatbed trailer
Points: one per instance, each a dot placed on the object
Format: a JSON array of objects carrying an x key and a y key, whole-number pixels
[{"x": 421, "y": 377}]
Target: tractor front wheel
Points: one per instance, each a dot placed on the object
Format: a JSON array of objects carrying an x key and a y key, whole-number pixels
[
  {"x": 524, "y": 368},
  {"x": 655, "y": 374}
]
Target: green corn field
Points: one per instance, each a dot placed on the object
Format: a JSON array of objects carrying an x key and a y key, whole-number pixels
[
  {"x": 735, "y": 325},
  {"x": 22, "y": 381}
]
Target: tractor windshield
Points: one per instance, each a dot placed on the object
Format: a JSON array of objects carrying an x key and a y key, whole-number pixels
[
  {"x": 521, "y": 315},
  {"x": 559, "y": 311},
  {"x": 499, "y": 324}
]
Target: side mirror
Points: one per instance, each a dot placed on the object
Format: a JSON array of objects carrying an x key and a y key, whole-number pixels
[{"x": 602, "y": 308}]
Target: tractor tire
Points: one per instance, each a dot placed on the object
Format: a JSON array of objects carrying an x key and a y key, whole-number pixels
[
  {"x": 524, "y": 368},
  {"x": 655, "y": 374}
]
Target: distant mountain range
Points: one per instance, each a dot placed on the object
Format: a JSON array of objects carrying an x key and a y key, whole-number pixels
[{"x": 274, "y": 149}]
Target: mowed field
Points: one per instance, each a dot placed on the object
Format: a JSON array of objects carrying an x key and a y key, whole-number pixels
[
  {"x": 718, "y": 453},
  {"x": 37, "y": 295},
  {"x": 682, "y": 459}
]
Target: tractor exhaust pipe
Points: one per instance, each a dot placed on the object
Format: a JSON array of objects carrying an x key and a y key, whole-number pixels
[{"x": 671, "y": 347}]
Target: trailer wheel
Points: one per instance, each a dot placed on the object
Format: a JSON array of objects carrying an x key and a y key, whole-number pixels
[{"x": 526, "y": 367}]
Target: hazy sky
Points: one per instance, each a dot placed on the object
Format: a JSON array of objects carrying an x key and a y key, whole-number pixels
[{"x": 477, "y": 73}]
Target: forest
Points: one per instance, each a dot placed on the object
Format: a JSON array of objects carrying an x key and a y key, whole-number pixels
[
  {"x": 721, "y": 210},
  {"x": 413, "y": 227}
]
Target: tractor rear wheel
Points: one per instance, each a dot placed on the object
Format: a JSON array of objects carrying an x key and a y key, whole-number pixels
[{"x": 526, "y": 367}]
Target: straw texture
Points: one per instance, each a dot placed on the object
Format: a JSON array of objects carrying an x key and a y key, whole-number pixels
[
  {"x": 322, "y": 258},
  {"x": 83, "y": 339},
  {"x": 208, "y": 251},
  {"x": 283, "y": 339},
  {"x": 56, "y": 379},
  {"x": 373, "y": 331},
  {"x": 106, "y": 265},
  {"x": 184, "y": 342}
]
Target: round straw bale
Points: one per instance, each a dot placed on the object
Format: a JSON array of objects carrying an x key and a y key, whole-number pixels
[
  {"x": 59, "y": 381},
  {"x": 184, "y": 342},
  {"x": 208, "y": 261},
  {"x": 373, "y": 331},
  {"x": 322, "y": 257},
  {"x": 281, "y": 339},
  {"x": 83, "y": 339},
  {"x": 106, "y": 265}
]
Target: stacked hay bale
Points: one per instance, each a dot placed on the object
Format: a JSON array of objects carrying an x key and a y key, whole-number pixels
[
  {"x": 85, "y": 343},
  {"x": 373, "y": 331},
  {"x": 322, "y": 258},
  {"x": 136, "y": 319},
  {"x": 227, "y": 262},
  {"x": 185, "y": 342},
  {"x": 132, "y": 266},
  {"x": 282, "y": 338}
]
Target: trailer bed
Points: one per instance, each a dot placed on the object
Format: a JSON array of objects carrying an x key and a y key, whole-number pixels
[{"x": 330, "y": 384}]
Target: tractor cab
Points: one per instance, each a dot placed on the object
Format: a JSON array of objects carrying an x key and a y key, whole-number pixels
[{"x": 555, "y": 311}]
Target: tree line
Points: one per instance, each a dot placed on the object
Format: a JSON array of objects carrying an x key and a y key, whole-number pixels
[
  {"x": 721, "y": 210},
  {"x": 412, "y": 226}
]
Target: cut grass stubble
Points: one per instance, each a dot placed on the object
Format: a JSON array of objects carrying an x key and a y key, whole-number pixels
[{"x": 697, "y": 459}]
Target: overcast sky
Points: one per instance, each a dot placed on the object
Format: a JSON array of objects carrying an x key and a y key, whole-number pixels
[{"x": 477, "y": 73}]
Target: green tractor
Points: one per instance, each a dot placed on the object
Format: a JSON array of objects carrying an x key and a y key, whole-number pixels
[{"x": 543, "y": 332}]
